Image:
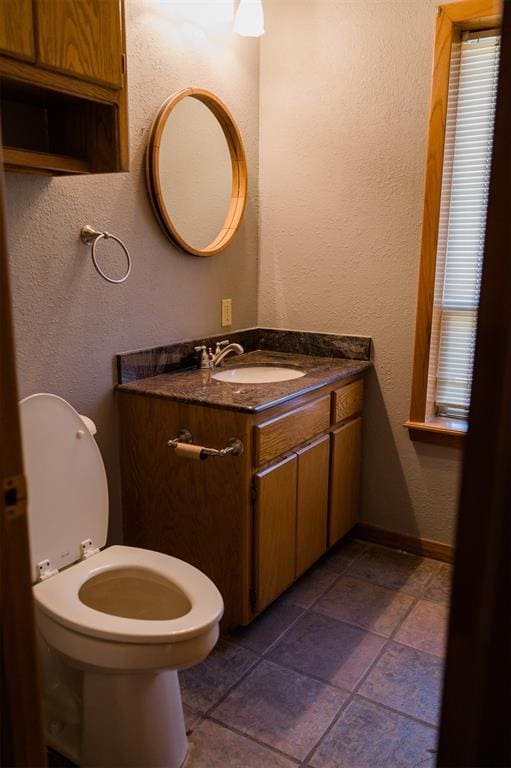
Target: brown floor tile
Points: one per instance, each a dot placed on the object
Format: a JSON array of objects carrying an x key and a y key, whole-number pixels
[
  {"x": 364, "y": 604},
  {"x": 263, "y": 631},
  {"x": 407, "y": 680},
  {"x": 342, "y": 554},
  {"x": 281, "y": 708},
  {"x": 439, "y": 588},
  {"x": 192, "y": 719},
  {"x": 310, "y": 586},
  {"x": 393, "y": 569},
  {"x": 213, "y": 746},
  {"x": 368, "y": 736},
  {"x": 337, "y": 653},
  {"x": 203, "y": 685},
  {"x": 425, "y": 627}
]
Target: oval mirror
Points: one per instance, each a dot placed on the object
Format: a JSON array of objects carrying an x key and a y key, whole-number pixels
[{"x": 196, "y": 172}]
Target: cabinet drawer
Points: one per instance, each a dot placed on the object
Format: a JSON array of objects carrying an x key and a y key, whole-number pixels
[
  {"x": 347, "y": 401},
  {"x": 278, "y": 435}
]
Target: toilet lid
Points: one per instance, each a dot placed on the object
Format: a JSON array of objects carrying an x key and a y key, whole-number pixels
[{"x": 66, "y": 482}]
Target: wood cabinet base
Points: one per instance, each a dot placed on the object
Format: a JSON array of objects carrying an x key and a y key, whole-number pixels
[{"x": 253, "y": 523}]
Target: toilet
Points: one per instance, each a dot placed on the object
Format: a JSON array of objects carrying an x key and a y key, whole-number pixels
[{"x": 114, "y": 624}]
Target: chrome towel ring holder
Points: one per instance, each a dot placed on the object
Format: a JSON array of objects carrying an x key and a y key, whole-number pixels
[{"x": 90, "y": 236}]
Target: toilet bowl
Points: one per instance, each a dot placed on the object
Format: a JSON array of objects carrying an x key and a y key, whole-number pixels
[{"x": 114, "y": 624}]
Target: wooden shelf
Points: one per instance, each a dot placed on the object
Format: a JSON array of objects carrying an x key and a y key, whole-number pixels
[{"x": 43, "y": 162}]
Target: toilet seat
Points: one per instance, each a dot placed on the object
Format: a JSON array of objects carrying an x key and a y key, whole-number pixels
[
  {"x": 58, "y": 598},
  {"x": 67, "y": 485}
]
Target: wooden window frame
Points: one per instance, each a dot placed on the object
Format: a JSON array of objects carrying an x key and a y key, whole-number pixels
[{"x": 452, "y": 20}]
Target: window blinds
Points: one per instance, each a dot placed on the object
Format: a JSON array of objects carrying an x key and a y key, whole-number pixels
[{"x": 460, "y": 249}]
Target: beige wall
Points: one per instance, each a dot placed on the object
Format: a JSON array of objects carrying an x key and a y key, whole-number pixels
[
  {"x": 69, "y": 322},
  {"x": 344, "y": 99}
]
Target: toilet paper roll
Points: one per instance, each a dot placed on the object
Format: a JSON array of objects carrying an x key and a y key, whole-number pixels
[{"x": 188, "y": 451}]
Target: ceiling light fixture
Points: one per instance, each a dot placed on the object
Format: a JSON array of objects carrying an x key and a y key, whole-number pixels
[{"x": 249, "y": 20}]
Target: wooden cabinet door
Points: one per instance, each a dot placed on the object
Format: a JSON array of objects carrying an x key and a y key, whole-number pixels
[
  {"x": 275, "y": 530},
  {"x": 312, "y": 503},
  {"x": 344, "y": 479},
  {"x": 82, "y": 38},
  {"x": 17, "y": 29}
]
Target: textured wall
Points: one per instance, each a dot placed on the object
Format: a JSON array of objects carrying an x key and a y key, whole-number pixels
[
  {"x": 69, "y": 322},
  {"x": 344, "y": 100}
]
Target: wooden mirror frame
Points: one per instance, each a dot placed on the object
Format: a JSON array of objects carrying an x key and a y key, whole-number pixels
[{"x": 239, "y": 171}]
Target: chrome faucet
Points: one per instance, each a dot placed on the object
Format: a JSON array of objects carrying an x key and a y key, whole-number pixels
[{"x": 209, "y": 359}]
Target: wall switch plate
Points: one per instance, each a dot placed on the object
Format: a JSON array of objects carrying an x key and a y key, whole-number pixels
[{"x": 226, "y": 312}]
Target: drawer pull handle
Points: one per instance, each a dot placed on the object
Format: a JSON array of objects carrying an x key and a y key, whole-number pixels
[{"x": 184, "y": 447}]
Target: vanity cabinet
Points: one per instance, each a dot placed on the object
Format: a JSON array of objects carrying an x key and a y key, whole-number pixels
[
  {"x": 253, "y": 523},
  {"x": 63, "y": 86}
]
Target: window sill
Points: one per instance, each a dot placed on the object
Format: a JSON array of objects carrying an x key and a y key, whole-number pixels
[{"x": 438, "y": 430}]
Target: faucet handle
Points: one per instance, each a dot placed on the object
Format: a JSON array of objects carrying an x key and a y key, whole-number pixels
[
  {"x": 220, "y": 345},
  {"x": 205, "y": 359}
]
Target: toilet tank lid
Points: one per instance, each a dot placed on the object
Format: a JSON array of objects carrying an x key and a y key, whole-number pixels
[{"x": 66, "y": 482}]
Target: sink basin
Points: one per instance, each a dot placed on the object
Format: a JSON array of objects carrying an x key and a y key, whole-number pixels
[{"x": 258, "y": 374}]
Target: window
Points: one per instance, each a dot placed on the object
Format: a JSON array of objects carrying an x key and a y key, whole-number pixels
[
  {"x": 457, "y": 180},
  {"x": 460, "y": 247}
]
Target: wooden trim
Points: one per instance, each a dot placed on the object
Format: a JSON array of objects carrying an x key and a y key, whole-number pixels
[
  {"x": 438, "y": 430},
  {"x": 452, "y": 19},
  {"x": 123, "y": 122},
  {"x": 445, "y": 33},
  {"x": 239, "y": 171},
  {"x": 28, "y": 73},
  {"x": 415, "y": 544},
  {"x": 474, "y": 728},
  {"x": 478, "y": 12}
]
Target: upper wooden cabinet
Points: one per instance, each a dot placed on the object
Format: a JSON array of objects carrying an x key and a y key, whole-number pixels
[
  {"x": 82, "y": 38},
  {"x": 17, "y": 29},
  {"x": 63, "y": 86}
]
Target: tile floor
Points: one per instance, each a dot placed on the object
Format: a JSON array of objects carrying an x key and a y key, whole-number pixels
[{"x": 343, "y": 671}]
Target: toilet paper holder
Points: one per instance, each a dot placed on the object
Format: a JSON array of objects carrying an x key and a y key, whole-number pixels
[{"x": 184, "y": 447}]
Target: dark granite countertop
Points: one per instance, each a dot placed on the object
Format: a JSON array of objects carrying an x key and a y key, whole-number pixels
[{"x": 198, "y": 387}]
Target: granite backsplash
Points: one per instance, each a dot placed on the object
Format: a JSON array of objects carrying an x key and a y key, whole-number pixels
[{"x": 144, "y": 363}]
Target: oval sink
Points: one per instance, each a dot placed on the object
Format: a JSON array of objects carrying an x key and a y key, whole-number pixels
[{"x": 258, "y": 374}]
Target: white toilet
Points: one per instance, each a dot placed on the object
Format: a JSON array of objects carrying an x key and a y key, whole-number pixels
[{"x": 116, "y": 624}]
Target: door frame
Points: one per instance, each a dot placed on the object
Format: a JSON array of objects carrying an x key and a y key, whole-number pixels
[
  {"x": 22, "y": 734},
  {"x": 474, "y": 729}
]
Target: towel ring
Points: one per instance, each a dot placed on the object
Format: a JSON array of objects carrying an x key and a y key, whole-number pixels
[{"x": 89, "y": 236}]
